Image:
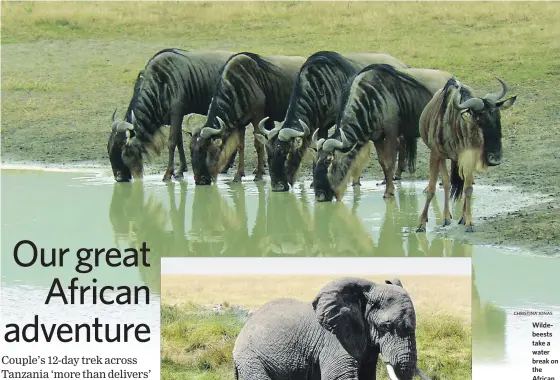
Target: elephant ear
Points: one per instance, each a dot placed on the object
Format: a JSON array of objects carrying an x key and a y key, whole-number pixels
[
  {"x": 340, "y": 307},
  {"x": 394, "y": 281}
]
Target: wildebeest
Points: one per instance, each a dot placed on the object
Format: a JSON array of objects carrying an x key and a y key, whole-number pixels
[
  {"x": 251, "y": 87},
  {"x": 379, "y": 104},
  {"x": 463, "y": 128},
  {"x": 313, "y": 106},
  {"x": 174, "y": 83}
]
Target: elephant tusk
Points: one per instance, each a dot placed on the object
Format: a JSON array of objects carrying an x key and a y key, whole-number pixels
[
  {"x": 391, "y": 372},
  {"x": 421, "y": 374}
]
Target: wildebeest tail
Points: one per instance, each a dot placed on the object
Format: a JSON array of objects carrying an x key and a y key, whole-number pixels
[
  {"x": 410, "y": 148},
  {"x": 457, "y": 182},
  {"x": 235, "y": 372}
]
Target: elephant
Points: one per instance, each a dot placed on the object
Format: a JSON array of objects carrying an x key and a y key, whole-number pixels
[{"x": 339, "y": 336}]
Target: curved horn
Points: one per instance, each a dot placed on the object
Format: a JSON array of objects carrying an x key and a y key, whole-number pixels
[
  {"x": 421, "y": 374},
  {"x": 331, "y": 130},
  {"x": 332, "y": 144},
  {"x": 391, "y": 372},
  {"x": 288, "y": 133},
  {"x": 476, "y": 104},
  {"x": 222, "y": 124},
  {"x": 314, "y": 143},
  {"x": 264, "y": 132},
  {"x": 114, "y": 121},
  {"x": 304, "y": 126},
  {"x": 208, "y": 132},
  {"x": 495, "y": 96},
  {"x": 124, "y": 126},
  {"x": 133, "y": 117},
  {"x": 343, "y": 138}
]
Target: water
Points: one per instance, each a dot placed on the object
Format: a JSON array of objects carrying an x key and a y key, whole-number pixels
[{"x": 74, "y": 210}]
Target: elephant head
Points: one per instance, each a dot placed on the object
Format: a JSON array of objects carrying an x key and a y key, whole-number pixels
[{"x": 364, "y": 314}]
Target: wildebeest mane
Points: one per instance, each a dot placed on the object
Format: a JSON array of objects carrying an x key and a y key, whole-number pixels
[
  {"x": 446, "y": 110},
  {"x": 135, "y": 94},
  {"x": 383, "y": 81},
  {"x": 302, "y": 104}
]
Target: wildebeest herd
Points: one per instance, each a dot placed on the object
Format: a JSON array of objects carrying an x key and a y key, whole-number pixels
[{"x": 332, "y": 104}]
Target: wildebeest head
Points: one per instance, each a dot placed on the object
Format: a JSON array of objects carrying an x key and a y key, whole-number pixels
[
  {"x": 125, "y": 154},
  {"x": 485, "y": 114},
  {"x": 210, "y": 149},
  {"x": 285, "y": 149},
  {"x": 336, "y": 159}
]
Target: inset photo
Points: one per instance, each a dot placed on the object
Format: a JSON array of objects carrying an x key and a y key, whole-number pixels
[{"x": 316, "y": 318}]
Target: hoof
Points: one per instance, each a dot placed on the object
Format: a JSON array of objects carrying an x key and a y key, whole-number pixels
[
  {"x": 356, "y": 184},
  {"x": 421, "y": 229},
  {"x": 470, "y": 228},
  {"x": 312, "y": 184},
  {"x": 462, "y": 220},
  {"x": 167, "y": 178},
  {"x": 383, "y": 182},
  {"x": 396, "y": 178},
  {"x": 258, "y": 178},
  {"x": 179, "y": 175},
  {"x": 388, "y": 195},
  {"x": 224, "y": 171},
  {"x": 446, "y": 222}
]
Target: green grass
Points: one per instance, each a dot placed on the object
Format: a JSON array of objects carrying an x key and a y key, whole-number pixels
[{"x": 199, "y": 346}]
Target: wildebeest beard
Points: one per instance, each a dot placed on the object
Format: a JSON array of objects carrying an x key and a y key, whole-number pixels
[
  {"x": 284, "y": 159},
  {"x": 491, "y": 127},
  {"x": 334, "y": 169},
  {"x": 210, "y": 155}
]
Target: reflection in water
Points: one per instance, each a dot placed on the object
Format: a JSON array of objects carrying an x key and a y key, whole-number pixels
[{"x": 235, "y": 221}]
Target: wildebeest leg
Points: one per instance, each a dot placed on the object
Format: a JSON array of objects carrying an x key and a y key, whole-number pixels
[
  {"x": 390, "y": 155},
  {"x": 382, "y": 152},
  {"x": 259, "y": 147},
  {"x": 229, "y": 165},
  {"x": 401, "y": 160},
  {"x": 468, "y": 202},
  {"x": 435, "y": 162},
  {"x": 446, "y": 187},
  {"x": 462, "y": 220},
  {"x": 241, "y": 164},
  {"x": 175, "y": 138}
]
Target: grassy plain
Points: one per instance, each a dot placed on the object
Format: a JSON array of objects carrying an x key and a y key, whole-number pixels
[
  {"x": 67, "y": 66},
  {"x": 198, "y": 345}
]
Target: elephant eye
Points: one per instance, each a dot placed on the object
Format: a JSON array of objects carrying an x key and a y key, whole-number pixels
[{"x": 384, "y": 326}]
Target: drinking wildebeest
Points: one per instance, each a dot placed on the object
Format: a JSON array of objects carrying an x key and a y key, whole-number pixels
[
  {"x": 313, "y": 106},
  {"x": 251, "y": 87},
  {"x": 173, "y": 84},
  {"x": 463, "y": 128},
  {"x": 380, "y": 104}
]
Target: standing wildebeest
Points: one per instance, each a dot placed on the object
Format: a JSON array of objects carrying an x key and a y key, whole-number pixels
[
  {"x": 250, "y": 87},
  {"x": 173, "y": 84},
  {"x": 467, "y": 130},
  {"x": 313, "y": 106},
  {"x": 379, "y": 104}
]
